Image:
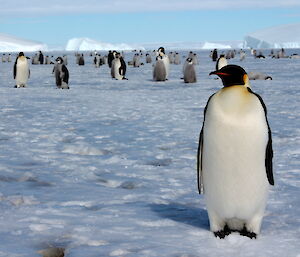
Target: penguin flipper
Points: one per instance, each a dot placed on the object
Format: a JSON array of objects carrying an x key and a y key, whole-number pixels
[
  {"x": 200, "y": 153},
  {"x": 199, "y": 164},
  {"x": 269, "y": 148},
  {"x": 15, "y": 69}
]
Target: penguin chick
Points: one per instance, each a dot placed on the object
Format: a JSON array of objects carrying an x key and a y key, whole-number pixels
[
  {"x": 159, "y": 71},
  {"x": 61, "y": 74},
  {"x": 189, "y": 74}
]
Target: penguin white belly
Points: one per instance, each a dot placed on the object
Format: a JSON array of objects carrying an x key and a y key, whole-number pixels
[
  {"x": 166, "y": 62},
  {"x": 117, "y": 66},
  {"x": 234, "y": 174},
  {"x": 22, "y": 73}
]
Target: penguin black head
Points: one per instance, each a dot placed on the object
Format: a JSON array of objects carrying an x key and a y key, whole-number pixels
[
  {"x": 59, "y": 60},
  {"x": 21, "y": 54},
  {"x": 231, "y": 75},
  {"x": 161, "y": 49}
]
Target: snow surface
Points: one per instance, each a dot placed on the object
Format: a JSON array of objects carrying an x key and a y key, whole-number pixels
[
  {"x": 284, "y": 36},
  {"x": 9, "y": 43},
  {"x": 108, "y": 168},
  {"x": 87, "y": 44}
]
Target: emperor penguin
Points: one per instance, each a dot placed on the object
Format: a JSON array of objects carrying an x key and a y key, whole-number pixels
[
  {"x": 148, "y": 58},
  {"x": 255, "y": 75},
  {"x": 136, "y": 60},
  {"x": 177, "y": 59},
  {"x": 189, "y": 74},
  {"x": 235, "y": 156},
  {"x": 21, "y": 70},
  {"x": 118, "y": 68},
  {"x": 161, "y": 52},
  {"x": 61, "y": 74},
  {"x": 159, "y": 71},
  {"x": 221, "y": 62}
]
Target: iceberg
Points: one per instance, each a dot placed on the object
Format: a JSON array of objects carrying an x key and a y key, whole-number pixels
[
  {"x": 208, "y": 45},
  {"x": 284, "y": 36},
  {"x": 9, "y": 43},
  {"x": 196, "y": 45},
  {"x": 87, "y": 44}
]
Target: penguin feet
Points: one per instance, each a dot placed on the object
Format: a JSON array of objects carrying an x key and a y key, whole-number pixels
[
  {"x": 247, "y": 233},
  {"x": 222, "y": 233}
]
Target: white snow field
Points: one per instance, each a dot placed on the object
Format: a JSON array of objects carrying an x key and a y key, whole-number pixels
[{"x": 108, "y": 168}]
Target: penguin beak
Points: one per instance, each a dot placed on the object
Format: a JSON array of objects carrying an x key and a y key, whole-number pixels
[{"x": 220, "y": 74}]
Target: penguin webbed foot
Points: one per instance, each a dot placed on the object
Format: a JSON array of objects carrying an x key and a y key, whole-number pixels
[
  {"x": 223, "y": 233},
  {"x": 247, "y": 233}
]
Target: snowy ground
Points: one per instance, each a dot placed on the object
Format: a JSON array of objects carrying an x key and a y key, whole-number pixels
[{"x": 108, "y": 168}]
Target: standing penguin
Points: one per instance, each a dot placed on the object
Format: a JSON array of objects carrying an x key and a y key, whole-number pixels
[
  {"x": 148, "y": 58},
  {"x": 81, "y": 60},
  {"x": 165, "y": 59},
  {"x": 118, "y": 68},
  {"x": 61, "y": 74},
  {"x": 235, "y": 156},
  {"x": 177, "y": 59},
  {"x": 110, "y": 58},
  {"x": 189, "y": 74},
  {"x": 21, "y": 70},
  {"x": 214, "y": 55},
  {"x": 41, "y": 57},
  {"x": 136, "y": 60},
  {"x": 221, "y": 62},
  {"x": 159, "y": 71}
]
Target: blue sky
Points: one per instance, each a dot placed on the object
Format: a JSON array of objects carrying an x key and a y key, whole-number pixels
[{"x": 132, "y": 21}]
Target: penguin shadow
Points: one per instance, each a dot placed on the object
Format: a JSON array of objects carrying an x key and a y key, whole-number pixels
[
  {"x": 159, "y": 162},
  {"x": 196, "y": 217}
]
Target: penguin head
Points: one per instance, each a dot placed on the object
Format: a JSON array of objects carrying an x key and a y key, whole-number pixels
[
  {"x": 21, "y": 54},
  {"x": 232, "y": 75},
  {"x": 59, "y": 60},
  {"x": 161, "y": 51},
  {"x": 189, "y": 60}
]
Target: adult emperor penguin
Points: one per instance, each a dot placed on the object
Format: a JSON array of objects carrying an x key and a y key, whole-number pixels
[
  {"x": 235, "y": 156},
  {"x": 161, "y": 52},
  {"x": 21, "y": 70},
  {"x": 221, "y": 62},
  {"x": 189, "y": 74},
  {"x": 118, "y": 68}
]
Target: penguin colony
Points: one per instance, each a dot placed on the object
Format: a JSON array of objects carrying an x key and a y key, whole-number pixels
[
  {"x": 161, "y": 65},
  {"x": 234, "y": 160}
]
